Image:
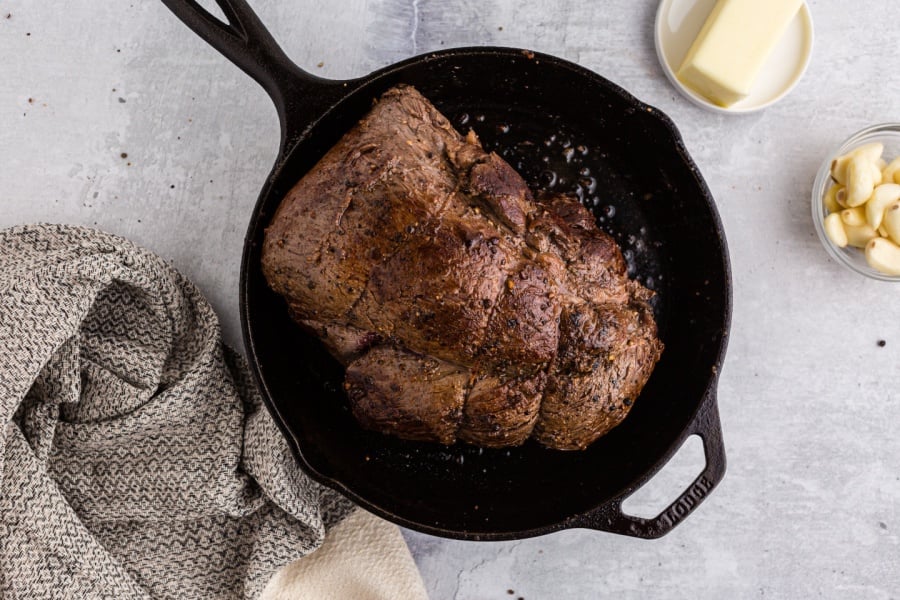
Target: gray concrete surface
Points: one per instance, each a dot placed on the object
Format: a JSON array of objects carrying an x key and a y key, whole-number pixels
[{"x": 810, "y": 507}]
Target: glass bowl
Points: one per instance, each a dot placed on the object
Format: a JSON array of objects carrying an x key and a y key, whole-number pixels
[{"x": 852, "y": 258}]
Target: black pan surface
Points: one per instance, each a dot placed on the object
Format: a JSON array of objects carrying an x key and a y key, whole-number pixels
[{"x": 563, "y": 128}]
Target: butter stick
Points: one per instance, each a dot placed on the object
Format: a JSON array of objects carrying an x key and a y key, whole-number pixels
[{"x": 733, "y": 45}]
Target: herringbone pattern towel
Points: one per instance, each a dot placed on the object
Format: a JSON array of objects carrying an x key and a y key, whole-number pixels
[{"x": 136, "y": 460}]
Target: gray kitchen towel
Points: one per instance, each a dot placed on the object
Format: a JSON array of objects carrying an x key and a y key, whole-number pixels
[{"x": 136, "y": 459}]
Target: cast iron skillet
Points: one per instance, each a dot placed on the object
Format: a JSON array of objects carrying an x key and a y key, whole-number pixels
[{"x": 562, "y": 127}]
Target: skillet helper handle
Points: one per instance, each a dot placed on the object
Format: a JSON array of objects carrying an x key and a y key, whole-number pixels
[{"x": 708, "y": 427}]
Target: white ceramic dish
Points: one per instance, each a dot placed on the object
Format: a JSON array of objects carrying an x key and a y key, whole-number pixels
[{"x": 679, "y": 21}]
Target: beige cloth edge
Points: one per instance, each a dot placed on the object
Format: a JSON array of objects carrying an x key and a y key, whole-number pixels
[{"x": 363, "y": 558}]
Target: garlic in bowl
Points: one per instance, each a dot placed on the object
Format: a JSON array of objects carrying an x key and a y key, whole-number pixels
[{"x": 856, "y": 203}]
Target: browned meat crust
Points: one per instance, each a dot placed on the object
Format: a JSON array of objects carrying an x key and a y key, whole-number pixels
[{"x": 463, "y": 307}]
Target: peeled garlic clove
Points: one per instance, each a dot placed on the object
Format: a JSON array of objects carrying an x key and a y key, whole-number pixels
[
  {"x": 854, "y": 216},
  {"x": 834, "y": 229},
  {"x": 867, "y": 152},
  {"x": 883, "y": 255},
  {"x": 887, "y": 174},
  {"x": 870, "y": 152},
  {"x": 859, "y": 235},
  {"x": 882, "y": 196},
  {"x": 841, "y": 197},
  {"x": 876, "y": 174},
  {"x": 831, "y": 203},
  {"x": 860, "y": 181},
  {"x": 891, "y": 223},
  {"x": 839, "y": 169}
]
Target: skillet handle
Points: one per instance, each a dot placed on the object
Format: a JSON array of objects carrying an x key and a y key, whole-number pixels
[
  {"x": 707, "y": 425},
  {"x": 246, "y": 42}
]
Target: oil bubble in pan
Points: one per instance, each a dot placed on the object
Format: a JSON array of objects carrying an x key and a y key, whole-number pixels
[{"x": 595, "y": 172}]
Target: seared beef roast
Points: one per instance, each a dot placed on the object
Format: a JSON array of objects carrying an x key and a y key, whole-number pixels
[{"x": 462, "y": 307}]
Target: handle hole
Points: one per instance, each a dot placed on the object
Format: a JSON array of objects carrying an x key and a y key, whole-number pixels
[
  {"x": 212, "y": 8},
  {"x": 669, "y": 483}
]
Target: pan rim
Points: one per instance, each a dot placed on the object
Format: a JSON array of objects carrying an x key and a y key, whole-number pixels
[{"x": 255, "y": 229}]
